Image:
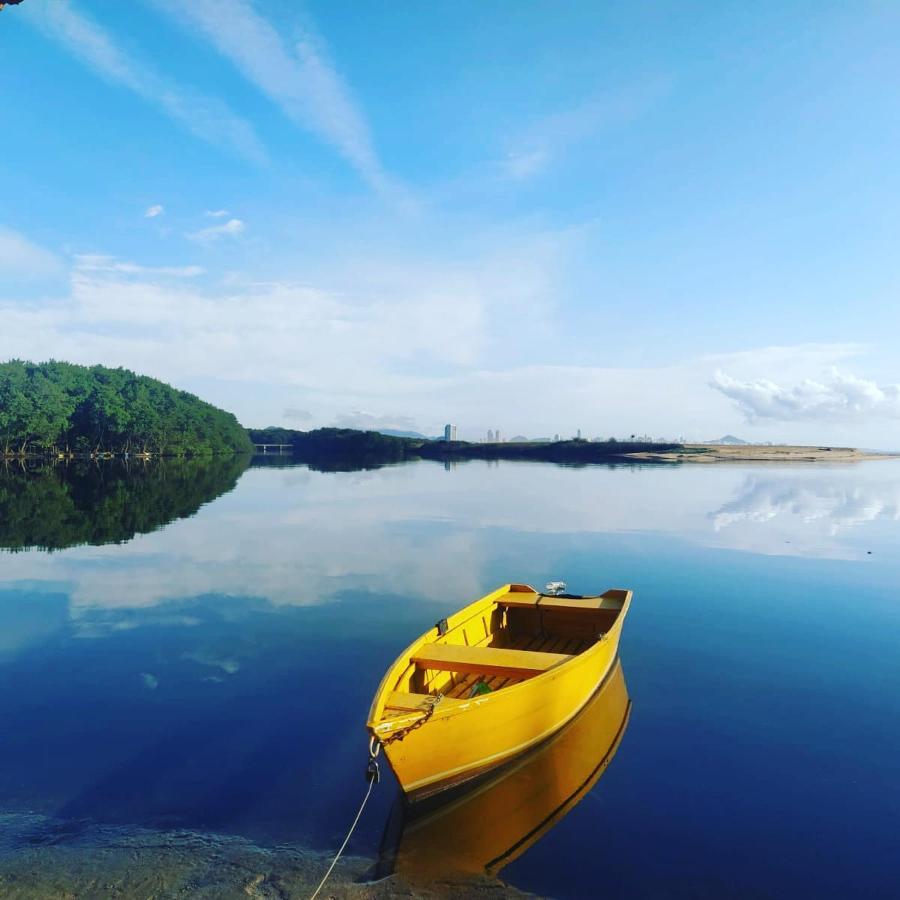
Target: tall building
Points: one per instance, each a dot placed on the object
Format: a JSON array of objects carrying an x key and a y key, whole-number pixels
[
  {"x": 449, "y": 432},
  {"x": 497, "y": 437},
  {"x": 490, "y": 439}
]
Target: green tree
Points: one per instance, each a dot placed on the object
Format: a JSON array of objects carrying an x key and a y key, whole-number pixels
[{"x": 58, "y": 404}]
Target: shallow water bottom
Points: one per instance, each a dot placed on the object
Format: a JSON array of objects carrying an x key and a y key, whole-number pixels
[{"x": 50, "y": 859}]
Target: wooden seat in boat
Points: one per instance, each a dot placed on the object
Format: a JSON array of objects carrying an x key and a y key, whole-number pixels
[
  {"x": 485, "y": 660},
  {"x": 520, "y": 600}
]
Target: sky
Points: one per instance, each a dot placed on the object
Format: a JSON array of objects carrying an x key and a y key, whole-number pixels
[{"x": 668, "y": 218}]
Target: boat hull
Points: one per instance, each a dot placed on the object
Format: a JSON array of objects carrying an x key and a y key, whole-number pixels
[
  {"x": 461, "y": 741},
  {"x": 484, "y": 828}
]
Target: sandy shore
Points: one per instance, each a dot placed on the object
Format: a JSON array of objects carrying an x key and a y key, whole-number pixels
[{"x": 711, "y": 453}]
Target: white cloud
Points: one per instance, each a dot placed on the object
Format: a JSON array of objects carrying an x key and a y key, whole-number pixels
[
  {"x": 154, "y": 211},
  {"x": 472, "y": 339},
  {"x": 232, "y": 227},
  {"x": 839, "y": 396},
  {"x": 374, "y": 330},
  {"x": 300, "y": 79},
  {"x": 216, "y": 213},
  {"x": 96, "y": 262},
  {"x": 20, "y": 258},
  {"x": 205, "y": 117}
]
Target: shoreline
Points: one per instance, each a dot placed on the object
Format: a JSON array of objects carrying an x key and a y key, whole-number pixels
[
  {"x": 105, "y": 455},
  {"x": 725, "y": 453},
  {"x": 352, "y": 453},
  {"x": 345, "y": 447}
]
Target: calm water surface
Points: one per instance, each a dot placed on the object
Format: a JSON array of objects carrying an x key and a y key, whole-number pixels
[{"x": 213, "y": 669}]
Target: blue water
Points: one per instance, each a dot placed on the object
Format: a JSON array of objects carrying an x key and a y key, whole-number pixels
[{"x": 215, "y": 674}]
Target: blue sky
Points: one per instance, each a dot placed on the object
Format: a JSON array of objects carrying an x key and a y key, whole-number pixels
[{"x": 666, "y": 218}]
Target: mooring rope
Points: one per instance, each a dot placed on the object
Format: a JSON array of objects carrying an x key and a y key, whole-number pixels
[{"x": 372, "y": 776}]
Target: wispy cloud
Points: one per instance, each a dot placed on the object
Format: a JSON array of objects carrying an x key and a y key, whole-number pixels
[
  {"x": 231, "y": 228},
  {"x": 366, "y": 421},
  {"x": 533, "y": 150},
  {"x": 217, "y": 213},
  {"x": 205, "y": 117},
  {"x": 97, "y": 263},
  {"x": 525, "y": 162},
  {"x": 299, "y": 78},
  {"x": 20, "y": 258},
  {"x": 153, "y": 211},
  {"x": 840, "y": 396},
  {"x": 357, "y": 340}
]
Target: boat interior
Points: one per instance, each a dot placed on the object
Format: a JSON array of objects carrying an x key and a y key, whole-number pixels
[{"x": 520, "y": 634}]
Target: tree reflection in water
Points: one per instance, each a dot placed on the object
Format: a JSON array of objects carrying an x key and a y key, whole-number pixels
[{"x": 52, "y": 507}]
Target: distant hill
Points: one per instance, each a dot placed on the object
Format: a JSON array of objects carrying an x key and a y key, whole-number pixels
[
  {"x": 61, "y": 407},
  {"x": 729, "y": 439},
  {"x": 392, "y": 432}
]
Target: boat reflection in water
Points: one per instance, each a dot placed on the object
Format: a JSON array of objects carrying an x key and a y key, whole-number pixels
[{"x": 485, "y": 828}]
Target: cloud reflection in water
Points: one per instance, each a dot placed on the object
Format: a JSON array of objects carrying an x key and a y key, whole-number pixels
[{"x": 292, "y": 536}]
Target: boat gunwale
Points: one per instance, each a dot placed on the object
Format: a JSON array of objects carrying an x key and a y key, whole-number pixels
[{"x": 385, "y": 688}]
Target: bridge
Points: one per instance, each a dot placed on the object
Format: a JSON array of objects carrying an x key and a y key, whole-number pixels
[{"x": 281, "y": 448}]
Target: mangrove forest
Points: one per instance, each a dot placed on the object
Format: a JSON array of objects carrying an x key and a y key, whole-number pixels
[{"x": 58, "y": 408}]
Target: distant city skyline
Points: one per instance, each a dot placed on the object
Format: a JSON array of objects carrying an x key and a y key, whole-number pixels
[
  {"x": 649, "y": 221},
  {"x": 453, "y": 432}
]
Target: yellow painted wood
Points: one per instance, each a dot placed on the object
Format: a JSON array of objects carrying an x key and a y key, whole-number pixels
[
  {"x": 412, "y": 702},
  {"x": 485, "y": 660},
  {"x": 486, "y": 829},
  {"x": 520, "y": 598},
  {"x": 464, "y": 738},
  {"x": 540, "y": 601}
]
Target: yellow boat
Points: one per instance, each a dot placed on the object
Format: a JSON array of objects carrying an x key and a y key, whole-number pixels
[
  {"x": 492, "y": 681},
  {"x": 485, "y": 829}
]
